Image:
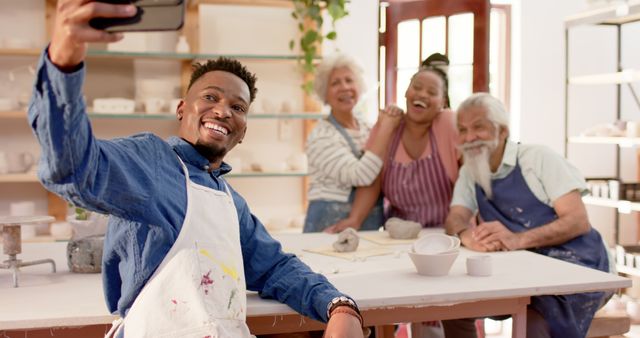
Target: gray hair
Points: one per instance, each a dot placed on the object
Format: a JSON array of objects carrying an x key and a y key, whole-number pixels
[
  {"x": 496, "y": 112},
  {"x": 330, "y": 63}
]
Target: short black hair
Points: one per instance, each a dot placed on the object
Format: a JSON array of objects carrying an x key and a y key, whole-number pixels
[{"x": 226, "y": 65}]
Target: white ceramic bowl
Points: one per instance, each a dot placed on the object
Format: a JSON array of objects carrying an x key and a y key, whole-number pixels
[
  {"x": 433, "y": 265},
  {"x": 435, "y": 243}
]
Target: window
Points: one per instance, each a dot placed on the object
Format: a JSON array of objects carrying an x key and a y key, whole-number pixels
[{"x": 478, "y": 53}]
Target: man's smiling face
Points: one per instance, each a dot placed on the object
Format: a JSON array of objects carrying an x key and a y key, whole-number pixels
[{"x": 213, "y": 115}]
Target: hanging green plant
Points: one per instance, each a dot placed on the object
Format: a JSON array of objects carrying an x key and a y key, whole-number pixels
[{"x": 308, "y": 13}]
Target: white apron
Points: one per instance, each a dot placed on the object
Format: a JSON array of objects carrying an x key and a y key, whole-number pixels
[{"x": 199, "y": 288}]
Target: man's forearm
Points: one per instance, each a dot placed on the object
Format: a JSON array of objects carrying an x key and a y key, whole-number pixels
[
  {"x": 56, "y": 114},
  {"x": 456, "y": 223},
  {"x": 557, "y": 232}
]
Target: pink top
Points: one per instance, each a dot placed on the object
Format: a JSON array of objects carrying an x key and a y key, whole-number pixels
[{"x": 445, "y": 131}]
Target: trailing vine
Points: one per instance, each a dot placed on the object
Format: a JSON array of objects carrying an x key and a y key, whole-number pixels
[{"x": 308, "y": 14}]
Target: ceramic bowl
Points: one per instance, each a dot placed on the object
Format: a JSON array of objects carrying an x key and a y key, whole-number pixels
[
  {"x": 433, "y": 265},
  {"x": 435, "y": 243}
]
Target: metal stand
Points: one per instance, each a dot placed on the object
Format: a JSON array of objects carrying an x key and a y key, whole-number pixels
[{"x": 12, "y": 244}]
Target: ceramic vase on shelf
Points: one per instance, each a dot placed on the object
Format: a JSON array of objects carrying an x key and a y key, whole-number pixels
[{"x": 84, "y": 250}]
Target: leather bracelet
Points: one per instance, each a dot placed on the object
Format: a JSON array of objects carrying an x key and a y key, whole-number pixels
[
  {"x": 348, "y": 310},
  {"x": 340, "y": 301}
]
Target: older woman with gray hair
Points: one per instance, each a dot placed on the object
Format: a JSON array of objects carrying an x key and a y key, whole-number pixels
[{"x": 337, "y": 161}]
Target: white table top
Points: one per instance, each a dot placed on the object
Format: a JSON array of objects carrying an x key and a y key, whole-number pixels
[
  {"x": 391, "y": 280},
  {"x": 45, "y": 299}
]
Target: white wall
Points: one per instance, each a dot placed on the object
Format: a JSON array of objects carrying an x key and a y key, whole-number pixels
[
  {"x": 358, "y": 37},
  {"x": 542, "y": 70}
]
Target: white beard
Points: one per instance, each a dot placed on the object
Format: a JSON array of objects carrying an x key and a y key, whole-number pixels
[{"x": 477, "y": 162}]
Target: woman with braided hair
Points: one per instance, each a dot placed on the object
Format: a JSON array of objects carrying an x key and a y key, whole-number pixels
[{"x": 422, "y": 161}]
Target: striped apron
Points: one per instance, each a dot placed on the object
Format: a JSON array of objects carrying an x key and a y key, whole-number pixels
[{"x": 419, "y": 191}]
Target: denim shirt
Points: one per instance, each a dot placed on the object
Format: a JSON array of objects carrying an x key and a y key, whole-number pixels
[{"x": 140, "y": 183}]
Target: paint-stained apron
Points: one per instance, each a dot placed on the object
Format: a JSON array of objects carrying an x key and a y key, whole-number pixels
[
  {"x": 418, "y": 191},
  {"x": 514, "y": 205},
  {"x": 199, "y": 288},
  {"x": 321, "y": 214}
]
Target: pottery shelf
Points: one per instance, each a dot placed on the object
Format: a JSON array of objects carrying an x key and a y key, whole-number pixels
[
  {"x": 263, "y": 3},
  {"x": 169, "y": 116},
  {"x": 106, "y": 54},
  {"x": 622, "y": 205},
  {"x": 621, "y": 141},
  {"x": 628, "y": 270},
  {"x": 625, "y": 76},
  {"x": 266, "y": 174},
  {"x": 19, "y": 178},
  {"x": 609, "y": 18},
  {"x": 616, "y": 14},
  {"x": 32, "y": 178}
]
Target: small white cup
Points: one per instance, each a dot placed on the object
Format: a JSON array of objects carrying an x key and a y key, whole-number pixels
[
  {"x": 154, "y": 105},
  {"x": 479, "y": 265}
]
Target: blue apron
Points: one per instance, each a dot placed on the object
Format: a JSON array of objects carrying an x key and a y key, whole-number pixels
[
  {"x": 322, "y": 213},
  {"x": 514, "y": 205}
]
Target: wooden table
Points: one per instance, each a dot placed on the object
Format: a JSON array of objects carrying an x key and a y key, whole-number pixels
[{"x": 387, "y": 289}]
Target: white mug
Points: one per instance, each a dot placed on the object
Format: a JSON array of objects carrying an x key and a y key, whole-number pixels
[{"x": 479, "y": 265}]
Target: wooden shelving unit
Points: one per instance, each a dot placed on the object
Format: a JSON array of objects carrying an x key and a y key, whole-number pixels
[
  {"x": 612, "y": 16},
  {"x": 190, "y": 30}
]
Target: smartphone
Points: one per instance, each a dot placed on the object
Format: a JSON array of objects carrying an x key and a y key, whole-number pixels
[{"x": 152, "y": 15}]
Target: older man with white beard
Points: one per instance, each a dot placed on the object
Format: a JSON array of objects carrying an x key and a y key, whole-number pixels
[{"x": 525, "y": 197}]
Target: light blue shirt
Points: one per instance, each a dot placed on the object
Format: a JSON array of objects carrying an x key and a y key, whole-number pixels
[
  {"x": 139, "y": 181},
  {"x": 547, "y": 174}
]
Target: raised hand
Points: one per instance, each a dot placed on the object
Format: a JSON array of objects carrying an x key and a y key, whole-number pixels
[
  {"x": 341, "y": 225},
  {"x": 390, "y": 117},
  {"x": 71, "y": 30}
]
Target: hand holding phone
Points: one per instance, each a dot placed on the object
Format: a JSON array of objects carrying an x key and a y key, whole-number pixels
[
  {"x": 71, "y": 31},
  {"x": 151, "y": 15}
]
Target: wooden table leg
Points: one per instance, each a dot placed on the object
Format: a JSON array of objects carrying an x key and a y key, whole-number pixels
[
  {"x": 519, "y": 328},
  {"x": 385, "y": 331}
]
